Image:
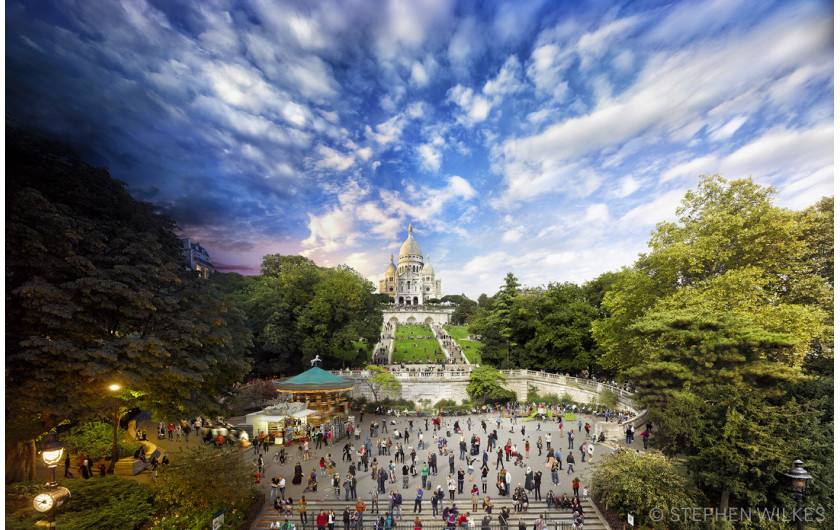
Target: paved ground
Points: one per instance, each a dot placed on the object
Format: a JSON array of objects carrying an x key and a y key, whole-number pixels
[{"x": 366, "y": 483}]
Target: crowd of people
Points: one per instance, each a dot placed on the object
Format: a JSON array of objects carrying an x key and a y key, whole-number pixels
[{"x": 406, "y": 455}]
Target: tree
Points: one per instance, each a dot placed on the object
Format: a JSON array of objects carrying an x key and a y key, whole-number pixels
[
  {"x": 496, "y": 324},
  {"x": 631, "y": 483},
  {"x": 716, "y": 323},
  {"x": 732, "y": 250},
  {"x": 97, "y": 293},
  {"x": 464, "y": 312},
  {"x": 382, "y": 381},
  {"x": 486, "y": 385},
  {"x": 562, "y": 340}
]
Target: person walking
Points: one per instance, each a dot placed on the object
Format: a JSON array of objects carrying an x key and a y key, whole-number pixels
[
  {"x": 450, "y": 482},
  {"x": 460, "y": 480},
  {"x": 424, "y": 473},
  {"x": 570, "y": 463},
  {"x": 539, "y": 445},
  {"x": 537, "y": 483},
  {"x": 590, "y": 448},
  {"x": 302, "y": 511},
  {"x": 500, "y": 459},
  {"x": 575, "y": 486},
  {"x": 571, "y": 439}
]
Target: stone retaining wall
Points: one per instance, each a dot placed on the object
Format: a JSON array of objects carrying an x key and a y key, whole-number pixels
[{"x": 452, "y": 384}]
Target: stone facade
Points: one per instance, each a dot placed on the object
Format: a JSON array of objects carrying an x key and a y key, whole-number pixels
[{"x": 410, "y": 282}]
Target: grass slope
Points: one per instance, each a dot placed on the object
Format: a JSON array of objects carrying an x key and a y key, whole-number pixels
[
  {"x": 471, "y": 348},
  {"x": 409, "y": 348}
]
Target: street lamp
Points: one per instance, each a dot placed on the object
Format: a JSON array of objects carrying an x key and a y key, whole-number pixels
[
  {"x": 54, "y": 496},
  {"x": 800, "y": 479},
  {"x": 115, "y": 449}
]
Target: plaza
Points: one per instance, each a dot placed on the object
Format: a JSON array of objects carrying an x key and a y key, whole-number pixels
[{"x": 326, "y": 498}]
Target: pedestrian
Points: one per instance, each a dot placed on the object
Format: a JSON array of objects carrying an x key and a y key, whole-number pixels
[
  {"x": 548, "y": 442},
  {"x": 539, "y": 446},
  {"x": 645, "y": 436},
  {"x": 570, "y": 463},
  {"x": 67, "y": 472},
  {"x": 571, "y": 439},
  {"x": 302, "y": 510},
  {"x": 321, "y": 520},
  {"x": 330, "y": 520},
  {"x": 474, "y": 495},
  {"x": 418, "y": 500},
  {"x": 537, "y": 484},
  {"x": 575, "y": 486},
  {"x": 405, "y": 471},
  {"x": 275, "y": 488},
  {"x": 590, "y": 448},
  {"x": 450, "y": 482}
]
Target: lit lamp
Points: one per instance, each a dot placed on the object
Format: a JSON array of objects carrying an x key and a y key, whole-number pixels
[
  {"x": 115, "y": 448},
  {"x": 800, "y": 479},
  {"x": 54, "y": 496},
  {"x": 51, "y": 452}
]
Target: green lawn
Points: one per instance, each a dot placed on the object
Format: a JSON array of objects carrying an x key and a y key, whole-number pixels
[
  {"x": 471, "y": 348},
  {"x": 410, "y": 348}
]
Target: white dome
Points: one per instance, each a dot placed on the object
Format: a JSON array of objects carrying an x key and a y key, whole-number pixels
[
  {"x": 427, "y": 268},
  {"x": 410, "y": 247}
]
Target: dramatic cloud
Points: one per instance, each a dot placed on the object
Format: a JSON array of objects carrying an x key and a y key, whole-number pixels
[{"x": 527, "y": 136}]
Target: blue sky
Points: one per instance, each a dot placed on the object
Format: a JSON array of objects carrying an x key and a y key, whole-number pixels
[{"x": 543, "y": 138}]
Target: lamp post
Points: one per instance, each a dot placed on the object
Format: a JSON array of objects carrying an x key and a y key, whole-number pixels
[
  {"x": 54, "y": 496},
  {"x": 115, "y": 448},
  {"x": 800, "y": 479}
]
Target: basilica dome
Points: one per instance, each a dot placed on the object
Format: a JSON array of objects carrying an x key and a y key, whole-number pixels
[{"x": 410, "y": 247}]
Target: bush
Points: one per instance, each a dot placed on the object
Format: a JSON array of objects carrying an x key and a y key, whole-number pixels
[
  {"x": 446, "y": 404},
  {"x": 251, "y": 397},
  {"x": 107, "y": 502},
  {"x": 390, "y": 404},
  {"x": 96, "y": 439},
  {"x": 608, "y": 399}
]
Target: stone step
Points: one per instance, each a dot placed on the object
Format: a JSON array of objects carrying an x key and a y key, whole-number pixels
[{"x": 562, "y": 518}]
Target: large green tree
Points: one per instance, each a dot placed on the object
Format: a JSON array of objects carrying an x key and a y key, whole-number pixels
[
  {"x": 716, "y": 324},
  {"x": 298, "y": 310},
  {"x": 97, "y": 293}
]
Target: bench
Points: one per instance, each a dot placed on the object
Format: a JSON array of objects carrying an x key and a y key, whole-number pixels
[{"x": 129, "y": 466}]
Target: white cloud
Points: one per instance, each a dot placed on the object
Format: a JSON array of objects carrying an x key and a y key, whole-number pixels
[
  {"x": 418, "y": 74},
  {"x": 429, "y": 157},
  {"x": 332, "y": 159},
  {"x": 728, "y": 129},
  {"x": 661, "y": 208},
  {"x": 671, "y": 92},
  {"x": 475, "y": 107}
]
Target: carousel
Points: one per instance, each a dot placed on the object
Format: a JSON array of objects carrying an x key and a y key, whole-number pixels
[{"x": 320, "y": 393}]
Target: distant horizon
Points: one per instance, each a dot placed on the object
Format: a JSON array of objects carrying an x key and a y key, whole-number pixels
[{"x": 541, "y": 138}]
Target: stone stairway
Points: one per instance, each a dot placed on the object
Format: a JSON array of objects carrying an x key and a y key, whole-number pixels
[{"x": 555, "y": 519}]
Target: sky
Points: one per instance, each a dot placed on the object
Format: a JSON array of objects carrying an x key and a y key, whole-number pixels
[{"x": 542, "y": 138}]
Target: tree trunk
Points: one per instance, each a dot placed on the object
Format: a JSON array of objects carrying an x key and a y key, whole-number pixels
[
  {"x": 724, "y": 501},
  {"x": 20, "y": 461}
]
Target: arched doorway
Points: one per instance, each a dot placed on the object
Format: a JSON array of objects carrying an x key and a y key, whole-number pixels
[
  {"x": 402, "y": 300},
  {"x": 415, "y": 300}
]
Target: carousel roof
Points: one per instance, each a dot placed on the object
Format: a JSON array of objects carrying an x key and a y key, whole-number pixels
[{"x": 313, "y": 379}]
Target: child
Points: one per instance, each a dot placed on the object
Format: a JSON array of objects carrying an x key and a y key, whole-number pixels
[{"x": 585, "y": 492}]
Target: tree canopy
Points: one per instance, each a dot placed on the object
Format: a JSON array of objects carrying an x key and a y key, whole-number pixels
[
  {"x": 717, "y": 325},
  {"x": 297, "y": 310}
]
